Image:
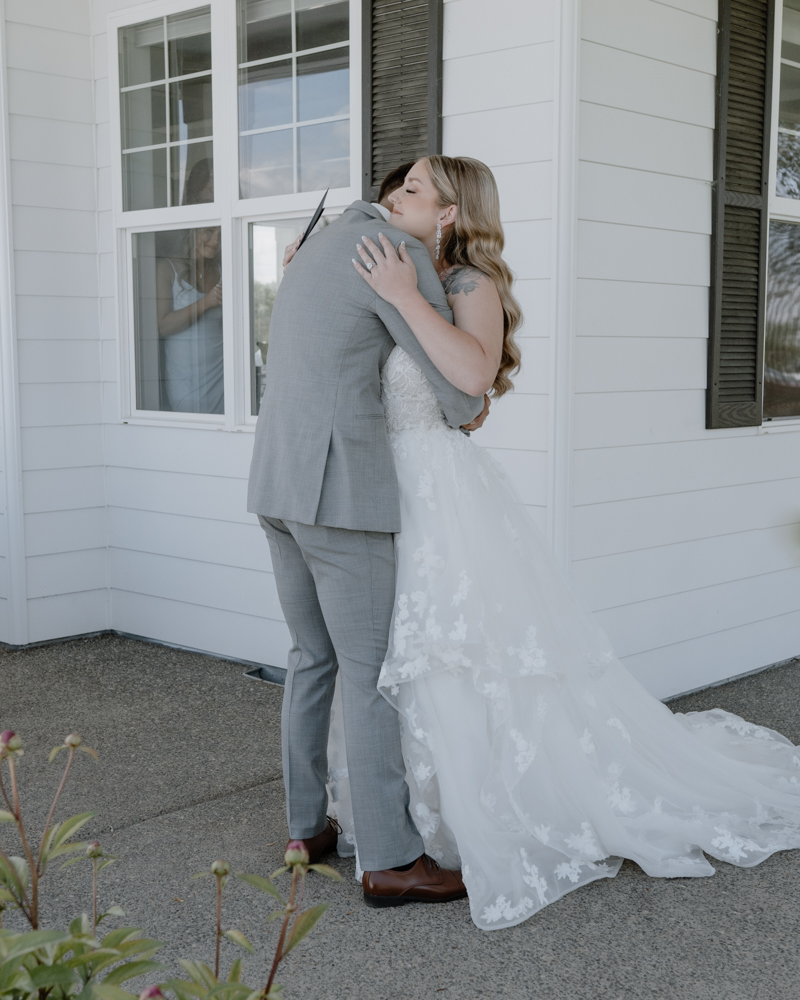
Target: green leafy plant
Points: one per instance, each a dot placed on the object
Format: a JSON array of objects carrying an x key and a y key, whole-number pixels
[{"x": 77, "y": 964}]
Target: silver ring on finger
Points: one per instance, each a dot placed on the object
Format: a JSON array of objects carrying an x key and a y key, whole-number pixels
[{"x": 370, "y": 266}]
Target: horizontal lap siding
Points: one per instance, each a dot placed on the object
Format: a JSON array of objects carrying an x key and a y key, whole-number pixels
[
  {"x": 51, "y": 115},
  {"x": 498, "y": 107},
  {"x": 684, "y": 540}
]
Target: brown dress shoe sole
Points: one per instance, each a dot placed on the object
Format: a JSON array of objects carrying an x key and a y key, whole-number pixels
[{"x": 380, "y": 901}]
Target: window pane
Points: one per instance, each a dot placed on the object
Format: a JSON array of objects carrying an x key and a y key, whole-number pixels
[
  {"x": 323, "y": 153},
  {"x": 265, "y": 29},
  {"x": 144, "y": 180},
  {"x": 178, "y": 321},
  {"x": 321, "y": 24},
  {"x": 268, "y": 241},
  {"x": 265, "y": 95},
  {"x": 265, "y": 164},
  {"x": 144, "y": 117},
  {"x": 787, "y": 179},
  {"x": 190, "y": 108},
  {"x": 189, "y": 40},
  {"x": 141, "y": 53},
  {"x": 789, "y": 113},
  {"x": 323, "y": 85},
  {"x": 782, "y": 338},
  {"x": 790, "y": 41},
  {"x": 191, "y": 173}
]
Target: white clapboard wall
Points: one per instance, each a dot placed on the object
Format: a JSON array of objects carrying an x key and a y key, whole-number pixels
[
  {"x": 683, "y": 540},
  {"x": 53, "y": 193}
]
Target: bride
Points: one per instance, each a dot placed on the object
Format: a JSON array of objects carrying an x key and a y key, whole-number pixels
[{"x": 536, "y": 762}]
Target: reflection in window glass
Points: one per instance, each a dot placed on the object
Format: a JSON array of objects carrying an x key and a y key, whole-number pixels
[
  {"x": 268, "y": 242},
  {"x": 782, "y": 336},
  {"x": 788, "y": 173},
  {"x": 178, "y": 320},
  {"x": 293, "y": 112},
  {"x": 165, "y": 108}
]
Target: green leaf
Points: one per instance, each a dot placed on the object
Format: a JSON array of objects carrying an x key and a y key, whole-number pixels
[
  {"x": 198, "y": 972},
  {"x": 279, "y": 871},
  {"x": 92, "y": 753},
  {"x": 238, "y": 938},
  {"x": 54, "y": 753},
  {"x": 72, "y": 861},
  {"x": 80, "y": 925},
  {"x": 5, "y": 896},
  {"x": 275, "y": 992},
  {"x": 112, "y": 911},
  {"x": 229, "y": 991},
  {"x": 106, "y": 862},
  {"x": 120, "y": 936},
  {"x": 184, "y": 990},
  {"x": 95, "y": 956},
  {"x": 235, "y": 975},
  {"x": 22, "y": 870},
  {"x": 48, "y": 976},
  {"x": 258, "y": 882},
  {"x": 305, "y": 923},
  {"x": 7, "y": 817},
  {"x": 32, "y": 940},
  {"x": 71, "y": 826},
  {"x": 327, "y": 871},
  {"x": 130, "y": 969},
  {"x": 107, "y": 991}
]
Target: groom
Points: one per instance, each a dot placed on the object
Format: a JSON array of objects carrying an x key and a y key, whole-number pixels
[{"x": 323, "y": 484}]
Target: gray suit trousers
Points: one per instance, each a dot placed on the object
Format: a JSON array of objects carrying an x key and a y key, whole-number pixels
[{"x": 336, "y": 588}]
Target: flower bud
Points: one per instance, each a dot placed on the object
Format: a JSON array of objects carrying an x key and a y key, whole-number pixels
[
  {"x": 94, "y": 850},
  {"x": 220, "y": 869},
  {"x": 73, "y": 740},
  {"x": 151, "y": 993},
  {"x": 9, "y": 740},
  {"x": 296, "y": 853}
]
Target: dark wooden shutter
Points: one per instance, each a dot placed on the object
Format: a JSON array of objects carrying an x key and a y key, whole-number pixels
[
  {"x": 740, "y": 214},
  {"x": 402, "y": 85}
]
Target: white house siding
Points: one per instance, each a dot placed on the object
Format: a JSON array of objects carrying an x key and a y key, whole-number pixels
[
  {"x": 187, "y": 563},
  {"x": 498, "y": 107},
  {"x": 684, "y": 539},
  {"x": 50, "y": 127}
]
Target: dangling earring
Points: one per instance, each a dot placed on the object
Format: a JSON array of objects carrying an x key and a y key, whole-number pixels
[{"x": 438, "y": 239}]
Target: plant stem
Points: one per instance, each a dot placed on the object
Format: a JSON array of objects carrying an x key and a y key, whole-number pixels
[
  {"x": 219, "y": 924},
  {"x": 53, "y": 806},
  {"x": 290, "y": 908},
  {"x": 23, "y": 895},
  {"x": 94, "y": 896},
  {"x": 3, "y": 790},
  {"x": 34, "y": 874},
  {"x": 299, "y": 908}
]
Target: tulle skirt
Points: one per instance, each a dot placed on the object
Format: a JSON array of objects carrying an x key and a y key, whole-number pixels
[{"x": 536, "y": 762}]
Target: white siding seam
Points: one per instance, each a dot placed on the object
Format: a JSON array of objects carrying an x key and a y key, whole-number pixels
[
  {"x": 172, "y": 513},
  {"x": 690, "y": 13},
  {"x": 663, "y": 118},
  {"x": 639, "y": 281},
  {"x": 12, "y": 438},
  {"x": 649, "y": 58},
  {"x": 504, "y": 48},
  {"x": 688, "y": 541},
  {"x": 194, "y": 604},
  {"x": 718, "y": 631},
  {"x": 161, "y": 554},
  {"x": 43, "y": 27},
  {"x": 504, "y": 107},
  {"x": 647, "y": 229},
  {"x": 644, "y": 170},
  {"x": 699, "y": 489}
]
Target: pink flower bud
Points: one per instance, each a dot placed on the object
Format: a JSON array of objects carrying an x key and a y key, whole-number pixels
[
  {"x": 9, "y": 740},
  {"x": 94, "y": 850},
  {"x": 73, "y": 740},
  {"x": 296, "y": 853},
  {"x": 151, "y": 993},
  {"x": 220, "y": 869}
]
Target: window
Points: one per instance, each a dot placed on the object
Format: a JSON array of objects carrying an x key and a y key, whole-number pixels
[
  {"x": 294, "y": 96},
  {"x": 782, "y": 328},
  {"x": 165, "y": 111}
]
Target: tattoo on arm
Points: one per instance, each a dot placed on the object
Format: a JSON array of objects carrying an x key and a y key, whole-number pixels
[{"x": 461, "y": 279}]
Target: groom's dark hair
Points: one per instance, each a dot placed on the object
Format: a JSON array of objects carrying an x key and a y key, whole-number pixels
[{"x": 394, "y": 179}]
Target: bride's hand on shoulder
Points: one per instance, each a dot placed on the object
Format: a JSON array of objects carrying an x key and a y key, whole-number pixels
[
  {"x": 391, "y": 273},
  {"x": 291, "y": 250}
]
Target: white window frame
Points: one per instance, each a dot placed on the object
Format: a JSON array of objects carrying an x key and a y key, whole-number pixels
[{"x": 232, "y": 213}]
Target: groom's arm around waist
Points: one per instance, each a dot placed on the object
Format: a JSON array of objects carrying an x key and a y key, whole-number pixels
[{"x": 458, "y": 407}]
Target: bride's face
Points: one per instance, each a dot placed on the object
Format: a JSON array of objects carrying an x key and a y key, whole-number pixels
[{"x": 415, "y": 205}]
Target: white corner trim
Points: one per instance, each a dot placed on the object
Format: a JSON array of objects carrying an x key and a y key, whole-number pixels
[
  {"x": 15, "y": 526},
  {"x": 563, "y": 282}
]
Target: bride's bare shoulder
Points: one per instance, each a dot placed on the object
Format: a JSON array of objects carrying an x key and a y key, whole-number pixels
[{"x": 463, "y": 279}]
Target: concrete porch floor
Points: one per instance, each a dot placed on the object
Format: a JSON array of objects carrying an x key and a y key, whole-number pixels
[{"x": 189, "y": 771}]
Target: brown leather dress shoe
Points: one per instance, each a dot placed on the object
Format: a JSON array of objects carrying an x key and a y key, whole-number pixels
[
  {"x": 424, "y": 882},
  {"x": 323, "y": 843}
]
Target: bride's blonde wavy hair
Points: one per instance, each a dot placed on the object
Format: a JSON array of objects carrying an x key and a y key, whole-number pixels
[{"x": 476, "y": 239}]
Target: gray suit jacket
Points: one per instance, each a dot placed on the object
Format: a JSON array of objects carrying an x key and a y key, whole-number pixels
[{"x": 321, "y": 453}]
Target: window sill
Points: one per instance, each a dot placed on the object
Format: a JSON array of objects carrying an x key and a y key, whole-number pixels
[
  {"x": 780, "y": 425},
  {"x": 191, "y": 425}
]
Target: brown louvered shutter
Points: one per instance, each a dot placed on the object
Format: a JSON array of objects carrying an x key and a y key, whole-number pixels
[
  {"x": 402, "y": 85},
  {"x": 740, "y": 214}
]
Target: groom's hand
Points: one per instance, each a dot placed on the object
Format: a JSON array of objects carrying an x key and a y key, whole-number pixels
[{"x": 478, "y": 422}]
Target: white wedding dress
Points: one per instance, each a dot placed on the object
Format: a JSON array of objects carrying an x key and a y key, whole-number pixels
[{"x": 536, "y": 762}]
